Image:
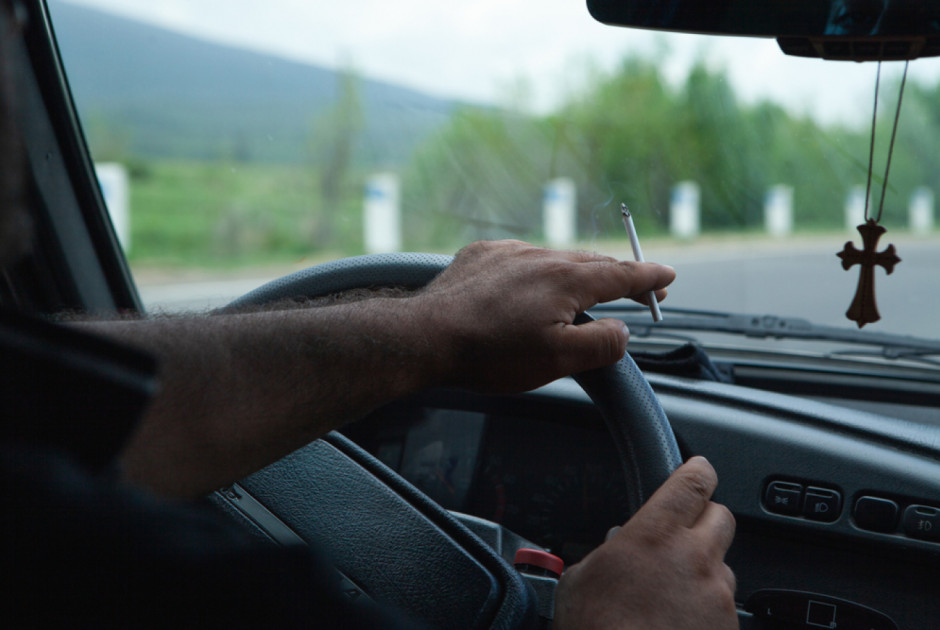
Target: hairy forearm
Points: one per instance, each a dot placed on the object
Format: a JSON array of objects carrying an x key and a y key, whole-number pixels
[{"x": 240, "y": 391}]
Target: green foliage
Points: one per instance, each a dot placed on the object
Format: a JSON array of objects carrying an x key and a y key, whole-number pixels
[
  {"x": 917, "y": 152},
  {"x": 193, "y": 213},
  {"x": 724, "y": 151},
  {"x": 629, "y": 136},
  {"x": 333, "y": 142},
  {"x": 620, "y": 139}
]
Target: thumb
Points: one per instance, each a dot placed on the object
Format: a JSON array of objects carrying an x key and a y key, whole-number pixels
[{"x": 592, "y": 344}]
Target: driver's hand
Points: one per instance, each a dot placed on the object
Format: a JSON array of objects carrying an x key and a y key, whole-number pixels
[
  {"x": 501, "y": 316},
  {"x": 663, "y": 570}
]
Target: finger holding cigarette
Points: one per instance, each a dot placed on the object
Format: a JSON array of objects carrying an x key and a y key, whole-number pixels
[{"x": 638, "y": 256}]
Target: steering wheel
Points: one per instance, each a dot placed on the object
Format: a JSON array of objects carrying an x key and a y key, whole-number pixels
[{"x": 387, "y": 537}]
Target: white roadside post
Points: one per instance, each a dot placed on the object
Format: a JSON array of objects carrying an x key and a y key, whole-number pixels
[
  {"x": 381, "y": 214},
  {"x": 559, "y": 215},
  {"x": 778, "y": 211},
  {"x": 685, "y": 211},
  {"x": 920, "y": 211},
  {"x": 113, "y": 180},
  {"x": 855, "y": 208}
]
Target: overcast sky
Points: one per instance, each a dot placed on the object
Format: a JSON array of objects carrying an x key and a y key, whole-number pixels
[{"x": 475, "y": 49}]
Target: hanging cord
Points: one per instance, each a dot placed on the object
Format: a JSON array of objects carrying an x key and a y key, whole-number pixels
[
  {"x": 894, "y": 132},
  {"x": 871, "y": 146},
  {"x": 871, "y": 149}
]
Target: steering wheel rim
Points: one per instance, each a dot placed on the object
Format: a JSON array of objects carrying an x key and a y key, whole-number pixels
[{"x": 634, "y": 417}]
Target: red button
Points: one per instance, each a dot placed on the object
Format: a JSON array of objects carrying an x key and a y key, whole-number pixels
[{"x": 540, "y": 559}]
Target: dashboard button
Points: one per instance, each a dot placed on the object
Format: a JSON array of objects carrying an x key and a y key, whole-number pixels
[
  {"x": 876, "y": 514},
  {"x": 922, "y": 521},
  {"x": 783, "y": 497},
  {"x": 820, "y": 504}
]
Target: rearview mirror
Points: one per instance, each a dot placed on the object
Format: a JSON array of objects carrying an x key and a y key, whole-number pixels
[{"x": 859, "y": 30}]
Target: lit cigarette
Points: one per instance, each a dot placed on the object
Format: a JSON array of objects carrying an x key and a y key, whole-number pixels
[{"x": 638, "y": 255}]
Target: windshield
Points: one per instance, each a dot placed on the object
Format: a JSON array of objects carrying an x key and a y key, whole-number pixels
[{"x": 239, "y": 141}]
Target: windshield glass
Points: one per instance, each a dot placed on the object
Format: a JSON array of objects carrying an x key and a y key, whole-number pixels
[{"x": 238, "y": 141}]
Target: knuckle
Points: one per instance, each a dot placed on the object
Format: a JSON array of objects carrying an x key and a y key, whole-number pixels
[
  {"x": 519, "y": 247},
  {"x": 698, "y": 483},
  {"x": 730, "y": 579},
  {"x": 727, "y": 518},
  {"x": 562, "y": 272},
  {"x": 700, "y": 562},
  {"x": 594, "y": 260},
  {"x": 654, "y": 537},
  {"x": 611, "y": 344},
  {"x": 475, "y": 247},
  {"x": 630, "y": 271}
]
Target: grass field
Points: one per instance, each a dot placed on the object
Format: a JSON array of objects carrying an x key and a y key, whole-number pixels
[{"x": 228, "y": 215}]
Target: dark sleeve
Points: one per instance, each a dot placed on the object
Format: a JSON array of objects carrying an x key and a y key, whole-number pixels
[{"x": 83, "y": 551}]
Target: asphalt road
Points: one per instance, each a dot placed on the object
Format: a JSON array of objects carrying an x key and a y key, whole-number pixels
[
  {"x": 799, "y": 277},
  {"x": 805, "y": 279}
]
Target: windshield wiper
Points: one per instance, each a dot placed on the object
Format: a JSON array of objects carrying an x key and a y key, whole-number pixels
[{"x": 888, "y": 345}]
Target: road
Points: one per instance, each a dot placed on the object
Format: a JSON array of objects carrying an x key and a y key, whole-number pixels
[
  {"x": 805, "y": 279},
  {"x": 799, "y": 277}
]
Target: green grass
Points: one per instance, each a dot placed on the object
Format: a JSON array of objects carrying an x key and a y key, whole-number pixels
[{"x": 186, "y": 214}]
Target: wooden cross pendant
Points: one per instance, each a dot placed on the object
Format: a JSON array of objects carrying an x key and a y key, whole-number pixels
[{"x": 864, "y": 310}]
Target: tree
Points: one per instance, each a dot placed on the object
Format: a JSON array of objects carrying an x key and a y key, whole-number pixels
[
  {"x": 336, "y": 133},
  {"x": 620, "y": 141},
  {"x": 479, "y": 177}
]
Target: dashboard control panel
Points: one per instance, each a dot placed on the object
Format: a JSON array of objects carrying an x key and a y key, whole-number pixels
[
  {"x": 910, "y": 518},
  {"x": 922, "y": 521},
  {"x": 870, "y": 512},
  {"x": 813, "y": 502},
  {"x": 876, "y": 514}
]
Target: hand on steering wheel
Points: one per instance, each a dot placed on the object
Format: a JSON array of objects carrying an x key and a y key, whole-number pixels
[{"x": 506, "y": 311}]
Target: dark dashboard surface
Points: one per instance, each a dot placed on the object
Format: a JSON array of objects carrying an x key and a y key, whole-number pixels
[
  {"x": 541, "y": 464},
  {"x": 549, "y": 474}
]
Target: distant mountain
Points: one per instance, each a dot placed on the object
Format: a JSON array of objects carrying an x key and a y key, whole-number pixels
[{"x": 151, "y": 92}]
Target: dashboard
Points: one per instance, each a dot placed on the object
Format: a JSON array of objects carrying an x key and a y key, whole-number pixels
[
  {"x": 810, "y": 483},
  {"x": 547, "y": 472}
]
